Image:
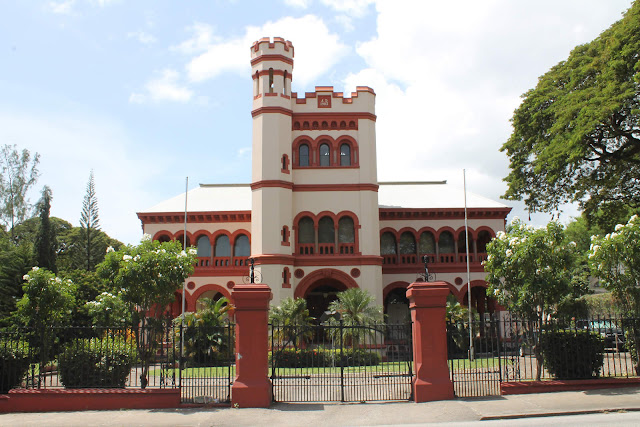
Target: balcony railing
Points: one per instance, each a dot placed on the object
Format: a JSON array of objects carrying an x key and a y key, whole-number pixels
[{"x": 412, "y": 259}]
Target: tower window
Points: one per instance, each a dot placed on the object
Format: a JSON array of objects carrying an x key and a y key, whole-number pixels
[
  {"x": 345, "y": 155},
  {"x": 270, "y": 80},
  {"x": 325, "y": 160},
  {"x": 284, "y": 83},
  {"x": 303, "y": 155}
]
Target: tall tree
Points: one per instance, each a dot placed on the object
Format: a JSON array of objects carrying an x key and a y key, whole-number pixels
[
  {"x": 90, "y": 223},
  {"x": 46, "y": 244},
  {"x": 576, "y": 136},
  {"x": 19, "y": 172}
]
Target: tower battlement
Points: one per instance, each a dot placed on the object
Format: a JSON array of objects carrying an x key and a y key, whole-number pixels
[
  {"x": 265, "y": 46},
  {"x": 328, "y": 91}
]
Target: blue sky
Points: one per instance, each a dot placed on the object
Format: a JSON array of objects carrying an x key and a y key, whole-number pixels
[{"x": 146, "y": 93}]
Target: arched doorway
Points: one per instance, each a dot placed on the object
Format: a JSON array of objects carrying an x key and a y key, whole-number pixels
[
  {"x": 396, "y": 306},
  {"x": 321, "y": 293}
]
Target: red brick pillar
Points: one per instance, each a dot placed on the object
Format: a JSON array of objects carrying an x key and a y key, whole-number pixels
[
  {"x": 251, "y": 387},
  {"x": 427, "y": 301}
]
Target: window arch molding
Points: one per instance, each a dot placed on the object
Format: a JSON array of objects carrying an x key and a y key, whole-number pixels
[
  {"x": 334, "y": 151},
  {"x": 315, "y": 218},
  {"x": 161, "y": 233},
  {"x": 473, "y": 233}
]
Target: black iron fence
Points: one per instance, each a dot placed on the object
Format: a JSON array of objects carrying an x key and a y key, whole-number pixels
[
  {"x": 121, "y": 357},
  {"x": 492, "y": 350},
  {"x": 338, "y": 362}
]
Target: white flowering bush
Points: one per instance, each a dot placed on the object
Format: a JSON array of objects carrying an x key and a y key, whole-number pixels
[
  {"x": 530, "y": 270},
  {"x": 146, "y": 278},
  {"x": 108, "y": 309},
  {"x": 47, "y": 300},
  {"x": 615, "y": 260}
]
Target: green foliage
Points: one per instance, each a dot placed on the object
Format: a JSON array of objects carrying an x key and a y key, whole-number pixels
[
  {"x": 14, "y": 264},
  {"x": 108, "y": 310},
  {"x": 575, "y": 135},
  {"x": 207, "y": 339},
  {"x": 356, "y": 308},
  {"x": 571, "y": 354},
  {"x": 615, "y": 260},
  {"x": 90, "y": 225},
  {"x": 46, "y": 244},
  {"x": 290, "y": 319},
  {"x": 72, "y": 248},
  {"x": 96, "y": 362},
  {"x": 320, "y": 357},
  {"x": 530, "y": 270},
  {"x": 601, "y": 305},
  {"x": 18, "y": 173},
  {"x": 146, "y": 277},
  {"x": 14, "y": 362},
  {"x": 47, "y": 300}
]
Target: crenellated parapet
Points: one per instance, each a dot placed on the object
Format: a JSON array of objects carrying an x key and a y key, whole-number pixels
[{"x": 325, "y": 109}]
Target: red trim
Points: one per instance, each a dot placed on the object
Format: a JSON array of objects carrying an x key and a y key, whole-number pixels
[
  {"x": 335, "y": 187},
  {"x": 193, "y": 298},
  {"x": 286, "y": 278},
  {"x": 389, "y": 214},
  {"x": 341, "y": 260},
  {"x": 286, "y": 44},
  {"x": 194, "y": 217},
  {"x": 272, "y": 183},
  {"x": 526, "y": 387},
  {"x": 306, "y": 284},
  {"x": 334, "y": 149},
  {"x": 338, "y": 95},
  {"x": 273, "y": 259},
  {"x": 263, "y": 73},
  {"x": 87, "y": 399},
  {"x": 272, "y": 110}
]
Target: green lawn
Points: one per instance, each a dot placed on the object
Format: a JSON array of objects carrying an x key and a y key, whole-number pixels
[
  {"x": 223, "y": 371},
  {"x": 476, "y": 363}
]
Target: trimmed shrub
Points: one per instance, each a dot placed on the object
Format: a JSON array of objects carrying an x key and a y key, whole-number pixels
[
  {"x": 14, "y": 363},
  {"x": 319, "y": 357},
  {"x": 569, "y": 355},
  {"x": 96, "y": 362},
  {"x": 301, "y": 358}
]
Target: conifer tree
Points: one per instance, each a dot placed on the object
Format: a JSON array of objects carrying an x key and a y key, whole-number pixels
[
  {"x": 90, "y": 224},
  {"x": 46, "y": 243}
]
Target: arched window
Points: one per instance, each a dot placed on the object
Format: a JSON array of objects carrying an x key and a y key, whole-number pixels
[
  {"x": 270, "y": 80},
  {"x": 407, "y": 243},
  {"x": 242, "y": 247},
  {"x": 445, "y": 243},
  {"x": 427, "y": 244},
  {"x": 306, "y": 233},
  {"x": 163, "y": 238},
  {"x": 345, "y": 155},
  {"x": 484, "y": 237},
  {"x": 462, "y": 243},
  {"x": 303, "y": 155},
  {"x": 212, "y": 295},
  {"x": 387, "y": 243},
  {"x": 325, "y": 153},
  {"x": 326, "y": 230},
  {"x": 257, "y": 84},
  {"x": 346, "y": 232},
  {"x": 181, "y": 240},
  {"x": 284, "y": 83},
  {"x": 204, "y": 246},
  {"x": 223, "y": 248}
]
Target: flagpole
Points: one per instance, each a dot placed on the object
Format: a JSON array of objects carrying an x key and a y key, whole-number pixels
[
  {"x": 466, "y": 239},
  {"x": 184, "y": 284}
]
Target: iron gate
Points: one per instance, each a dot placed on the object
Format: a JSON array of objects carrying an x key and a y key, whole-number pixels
[
  {"x": 207, "y": 368},
  {"x": 342, "y": 363}
]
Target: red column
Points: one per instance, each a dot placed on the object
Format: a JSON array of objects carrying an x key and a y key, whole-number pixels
[
  {"x": 427, "y": 302},
  {"x": 251, "y": 388}
]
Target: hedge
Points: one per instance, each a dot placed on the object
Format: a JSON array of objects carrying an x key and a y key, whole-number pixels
[
  {"x": 319, "y": 357},
  {"x": 96, "y": 362},
  {"x": 572, "y": 354}
]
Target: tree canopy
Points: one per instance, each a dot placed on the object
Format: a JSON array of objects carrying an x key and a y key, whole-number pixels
[
  {"x": 18, "y": 173},
  {"x": 90, "y": 226},
  {"x": 576, "y": 135}
]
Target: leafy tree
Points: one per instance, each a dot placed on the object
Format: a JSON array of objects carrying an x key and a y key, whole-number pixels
[
  {"x": 206, "y": 339},
  {"x": 90, "y": 225},
  {"x": 108, "y": 310},
  {"x": 72, "y": 249},
  {"x": 531, "y": 270},
  {"x": 291, "y": 320},
  {"x": 615, "y": 260},
  {"x": 46, "y": 244},
  {"x": 357, "y": 312},
  {"x": 14, "y": 264},
  {"x": 575, "y": 136},
  {"x": 147, "y": 277},
  {"x": 19, "y": 172}
]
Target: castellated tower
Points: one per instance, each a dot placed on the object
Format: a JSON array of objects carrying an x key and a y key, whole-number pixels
[{"x": 314, "y": 218}]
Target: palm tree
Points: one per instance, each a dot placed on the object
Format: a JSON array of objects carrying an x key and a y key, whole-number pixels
[
  {"x": 357, "y": 313},
  {"x": 291, "y": 321}
]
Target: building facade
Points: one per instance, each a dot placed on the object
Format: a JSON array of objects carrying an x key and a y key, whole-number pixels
[{"x": 315, "y": 220}]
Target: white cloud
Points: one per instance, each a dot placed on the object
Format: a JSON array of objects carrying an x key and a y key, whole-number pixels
[
  {"x": 164, "y": 88},
  {"x": 142, "y": 37},
  {"x": 62, "y": 7},
  {"x": 356, "y": 8},
  {"x": 299, "y": 4},
  {"x": 448, "y": 76},
  {"x": 317, "y": 50},
  {"x": 202, "y": 39},
  {"x": 70, "y": 146}
]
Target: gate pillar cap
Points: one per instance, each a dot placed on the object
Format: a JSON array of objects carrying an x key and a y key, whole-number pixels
[
  {"x": 427, "y": 294},
  {"x": 255, "y": 295}
]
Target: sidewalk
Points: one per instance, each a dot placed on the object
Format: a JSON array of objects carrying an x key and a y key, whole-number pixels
[{"x": 319, "y": 414}]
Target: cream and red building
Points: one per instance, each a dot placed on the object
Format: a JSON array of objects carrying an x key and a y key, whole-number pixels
[{"x": 315, "y": 219}]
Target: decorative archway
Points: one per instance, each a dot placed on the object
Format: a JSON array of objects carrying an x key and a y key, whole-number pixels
[
  {"x": 310, "y": 280},
  {"x": 321, "y": 287},
  {"x": 193, "y": 298}
]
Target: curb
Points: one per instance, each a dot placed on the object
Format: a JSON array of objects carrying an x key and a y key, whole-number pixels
[{"x": 556, "y": 414}]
